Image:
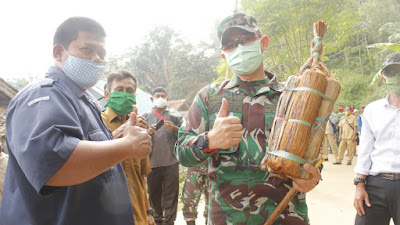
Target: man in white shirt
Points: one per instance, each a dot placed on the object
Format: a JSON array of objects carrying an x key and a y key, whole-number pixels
[{"x": 377, "y": 197}]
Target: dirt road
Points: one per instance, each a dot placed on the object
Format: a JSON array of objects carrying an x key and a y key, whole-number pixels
[{"x": 330, "y": 203}]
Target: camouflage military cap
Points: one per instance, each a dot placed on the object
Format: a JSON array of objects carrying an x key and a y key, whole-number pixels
[
  {"x": 239, "y": 20},
  {"x": 390, "y": 60}
]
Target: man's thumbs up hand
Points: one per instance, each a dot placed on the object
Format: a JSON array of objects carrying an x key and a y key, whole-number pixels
[
  {"x": 140, "y": 120},
  {"x": 133, "y": 119},
  {"x": 223, "y": 111},
  {"x": 227, "y": 131}
]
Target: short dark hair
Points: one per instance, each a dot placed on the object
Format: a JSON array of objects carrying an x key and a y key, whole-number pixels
[
  {"x": 158, "y": 89},
  {"x": 69, "y": 29},
  {"x": 119, "y": 75}
]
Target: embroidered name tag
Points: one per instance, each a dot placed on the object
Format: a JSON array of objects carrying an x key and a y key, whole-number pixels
[{"x": 45, "y": 98}]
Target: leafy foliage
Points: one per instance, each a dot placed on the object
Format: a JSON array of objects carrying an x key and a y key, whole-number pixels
[
  {"x": 165, "y": 59},
  {"x": 353, "y": 25},
  {"x": 361, "y": 33},
  {"x": 20, "y": 83}
]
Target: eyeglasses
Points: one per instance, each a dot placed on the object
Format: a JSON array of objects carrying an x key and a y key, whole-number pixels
[
  {"x": 243, "y": 40},
  {"x": 391, "y": 73}
]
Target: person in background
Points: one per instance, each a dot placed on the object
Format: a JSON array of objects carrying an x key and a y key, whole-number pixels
[
  {"x": 352, "y": 108},
  {"x": 340, "y": 115},
  {"x": 163, "y": 181},
  {"x": 340, "y": 109},
  {"x": 3, "y": 166},
  {"x": 377, "y": 196},
  {"x": 120, "y": 94},
  {"x": 330, "y": 138},
  {"x": 4, "y": 144},
  {"x": 196, "y": 183},
  {"x": 347, "y": 136},
  {"x": 359, "y": 118},
  {"x": 229, "y": 123},
  {"x": 64, "y": 168}
]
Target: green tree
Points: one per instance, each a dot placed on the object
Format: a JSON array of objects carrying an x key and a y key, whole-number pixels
[
  {"x": 167, "y": 59},
  {"x": 20, "y": 83},
  {"x": 192, "y": 71},
  {"x": 353, "y": 25},
  {"x": 393, "y": 29}
]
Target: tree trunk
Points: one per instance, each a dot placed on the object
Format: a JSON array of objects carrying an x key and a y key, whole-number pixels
[{"x": 359, "y": 56}]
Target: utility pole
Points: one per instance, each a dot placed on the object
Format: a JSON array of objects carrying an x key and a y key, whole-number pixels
[
  {"x": 235, "y": 10},
  {"x": 235, "y": 7}
]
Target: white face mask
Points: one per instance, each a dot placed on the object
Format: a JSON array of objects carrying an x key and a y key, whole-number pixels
[
  {"x": 160, "y": 102},
  {"x": 85, "y": 73}
]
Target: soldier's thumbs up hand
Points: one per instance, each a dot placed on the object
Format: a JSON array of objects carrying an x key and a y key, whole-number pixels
[
  {"x": 227, "y": 130},
  {"x": 223, "y": 110}
]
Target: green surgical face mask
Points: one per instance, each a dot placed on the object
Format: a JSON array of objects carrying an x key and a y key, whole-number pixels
[
  {"x": 245, "y": 59},
  {"x": 121, "y": 102},
  {"x": 393, "y": 84}
]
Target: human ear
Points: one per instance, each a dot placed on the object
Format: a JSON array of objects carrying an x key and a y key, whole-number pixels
[
  {"x": 106, "y": 95},
  {"x": 223, "y": 56},
  {"x": 58, "y": 52},
  {"x": 264, "y": 42}
]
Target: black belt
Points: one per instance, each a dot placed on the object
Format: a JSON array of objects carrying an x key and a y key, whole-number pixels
[{"x": 390, "y": 176}]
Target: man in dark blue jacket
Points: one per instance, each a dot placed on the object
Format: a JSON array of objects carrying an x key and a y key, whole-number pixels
[{"x": 63, "y": 167}]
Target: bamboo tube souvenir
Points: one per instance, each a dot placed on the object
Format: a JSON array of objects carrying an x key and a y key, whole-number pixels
[
  {"x": 280, "y": 117},
  {"x": 318, "y": 129},
  {"x": 304, "y": 106},
  {"x": 298, "y": 127}
]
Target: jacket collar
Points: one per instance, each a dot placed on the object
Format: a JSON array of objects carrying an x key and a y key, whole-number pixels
[{"x": 59, "y": 76}]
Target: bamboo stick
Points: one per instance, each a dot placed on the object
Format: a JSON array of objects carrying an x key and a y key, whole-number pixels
[
  {"x": 318, "y": 129},
  {"x": 305, "y": 107},
  {"x": 279, "y": 123},
  {"x": 285, "y": 201}
]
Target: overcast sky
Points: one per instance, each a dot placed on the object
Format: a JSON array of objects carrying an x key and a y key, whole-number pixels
[{"x": 27, "y": 26}]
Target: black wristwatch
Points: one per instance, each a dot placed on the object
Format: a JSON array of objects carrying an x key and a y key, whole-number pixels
[
  {"x": 359, "y": 180},
  {"x": 202, "y": 141},
  {"x": 150, "y": 212}
]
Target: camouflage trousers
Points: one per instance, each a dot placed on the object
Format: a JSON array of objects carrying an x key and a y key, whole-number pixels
[{"x": 196, "y": 183}]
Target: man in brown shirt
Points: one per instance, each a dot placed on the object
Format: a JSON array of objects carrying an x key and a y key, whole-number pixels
[
  {"x": 347, "y": 136},
  {"x": 330, "y": 138},
  {"x": 120, "y": 94}
]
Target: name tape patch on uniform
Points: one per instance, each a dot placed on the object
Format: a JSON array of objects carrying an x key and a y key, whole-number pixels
[{"x": 45, "y": 98}]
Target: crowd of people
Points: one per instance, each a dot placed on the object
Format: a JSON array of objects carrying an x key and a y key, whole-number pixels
[
  {"x": 71, "y": 163},
  {"x": 343, "y": 129}
]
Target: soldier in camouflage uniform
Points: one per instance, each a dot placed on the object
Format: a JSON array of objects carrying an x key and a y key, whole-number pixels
[
  {"x": 196, "y": 183},
  {"x": 229, "y": 123}
]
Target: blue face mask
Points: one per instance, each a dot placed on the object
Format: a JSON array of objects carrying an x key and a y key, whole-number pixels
[
  {"x": 85, "y": 73},
  {"x": 245, "y": 59}
]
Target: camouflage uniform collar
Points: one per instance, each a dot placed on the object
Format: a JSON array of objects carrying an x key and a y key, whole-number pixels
[{"x": 270, "y": 80}]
